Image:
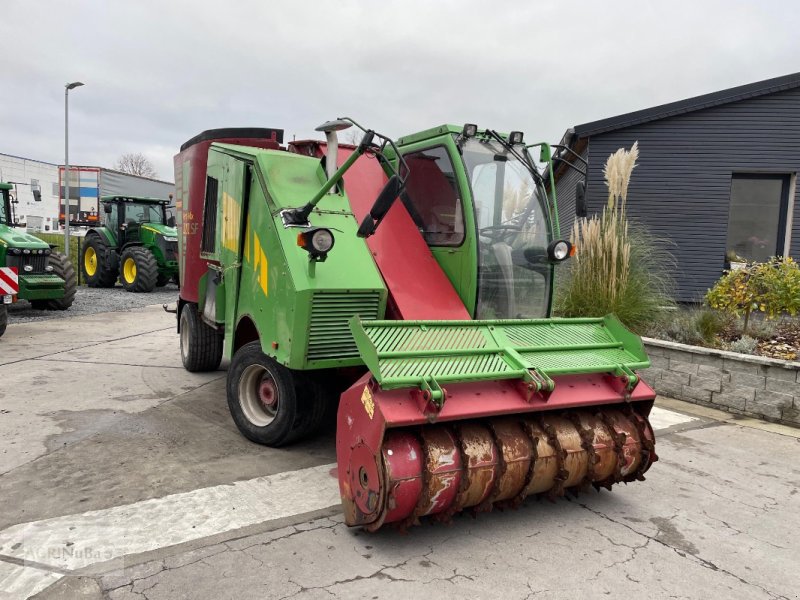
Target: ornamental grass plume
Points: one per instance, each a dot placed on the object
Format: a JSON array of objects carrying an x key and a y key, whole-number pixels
[{"x": 617, "y": 268}]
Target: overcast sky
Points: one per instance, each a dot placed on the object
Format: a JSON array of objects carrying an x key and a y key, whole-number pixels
[{"x": 159, "y": 72}]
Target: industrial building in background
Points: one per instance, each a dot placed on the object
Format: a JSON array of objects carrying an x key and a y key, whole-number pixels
[{"x": 38, "y": 191}]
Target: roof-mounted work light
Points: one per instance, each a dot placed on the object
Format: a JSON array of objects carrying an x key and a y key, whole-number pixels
[
  {"x": 515, "y": 137},
  {"x": 470, "y": 130}
]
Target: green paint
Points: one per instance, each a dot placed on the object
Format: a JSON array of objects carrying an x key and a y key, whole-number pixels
[
  {"x": 532, "y": 350},
  {"x": 300, "y": 306}
]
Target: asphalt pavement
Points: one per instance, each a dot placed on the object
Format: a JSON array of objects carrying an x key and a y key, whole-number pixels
[{"x": 123, "y": 476}]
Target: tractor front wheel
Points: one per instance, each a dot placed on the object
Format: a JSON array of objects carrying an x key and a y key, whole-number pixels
[
  {"x": 262, "y": 398},
  {"x": 201, "y": 345},
  {"x": 162, "y": 280},
  {"x": 138, "y": 270},
  {"x": 98, "y": 271},
  {"x": 62, "y": 267}
]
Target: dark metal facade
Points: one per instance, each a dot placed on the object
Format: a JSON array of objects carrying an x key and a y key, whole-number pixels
[{"x": 680, "y": 189}]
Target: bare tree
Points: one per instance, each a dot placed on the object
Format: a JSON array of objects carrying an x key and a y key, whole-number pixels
[{"x": 136, "y": 163}]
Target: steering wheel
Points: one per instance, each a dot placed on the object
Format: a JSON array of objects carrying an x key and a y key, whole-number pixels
[{"x": 498, "y": 233}]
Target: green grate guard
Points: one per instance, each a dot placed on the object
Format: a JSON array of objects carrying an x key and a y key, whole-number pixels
[{"x": 423, "y": 353}]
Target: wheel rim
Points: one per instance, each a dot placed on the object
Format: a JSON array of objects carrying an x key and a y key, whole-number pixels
[
  {"x": 90, "y": 261},
  {"x": 129, "y": 270},
  {"x": 258, "y": 396},
  {"x": 184, "y": 335}
]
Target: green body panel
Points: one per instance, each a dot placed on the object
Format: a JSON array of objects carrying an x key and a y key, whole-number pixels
[
  {"x": 41, "y": 287},
  {"x": 405, "y": 353},
  {"x": 460, "y": 264},
  {"x": 299, "y": 307}
]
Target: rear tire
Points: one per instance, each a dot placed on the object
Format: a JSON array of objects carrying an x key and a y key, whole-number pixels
[
  {"x": 95, "y": 260},
  {"x": 3, "y": 319},
  {"x": 62, "y": 267},
  {"x": 263, "y": 399},
  {"x": 138, "y": 270},
  {"x": 201, "y": 345}
]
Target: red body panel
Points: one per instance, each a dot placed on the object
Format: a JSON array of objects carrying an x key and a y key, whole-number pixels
[
  {"x": 189, "y": 206},
  {"x": 418, "y": 288}
]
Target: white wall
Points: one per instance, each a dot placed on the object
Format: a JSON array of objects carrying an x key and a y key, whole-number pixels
[{"x": 23, "y": 170}]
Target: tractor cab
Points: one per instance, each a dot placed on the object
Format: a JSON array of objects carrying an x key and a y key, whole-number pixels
[
  {"x": 125, "y": 216},
  {"x": 480, "y": 203}
]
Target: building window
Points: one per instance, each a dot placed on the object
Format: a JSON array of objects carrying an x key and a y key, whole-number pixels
[
  {"x": 432, "y": 199},
  {"x": 757, "y": 219}
]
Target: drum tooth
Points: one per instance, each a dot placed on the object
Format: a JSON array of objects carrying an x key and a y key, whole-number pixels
[{"x": 562, "y": 474}]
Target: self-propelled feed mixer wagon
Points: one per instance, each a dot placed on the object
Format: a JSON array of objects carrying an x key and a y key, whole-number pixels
[{"x": 420, "y": 274}]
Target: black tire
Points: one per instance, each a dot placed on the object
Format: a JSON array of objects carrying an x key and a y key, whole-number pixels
[
  {"x": 201, "y": 345},
  {"x": 254, "y": 379},
  {"x": 318, "y": 405},
  {"x": 3, "y": 319},
  {"x": 40, "y": 304},
  {"x": 96, "y": 253},
  {"x": 162, "y": 280},
  {"x": 138, "y": 270},
  {"x": 62, "y": 267}
]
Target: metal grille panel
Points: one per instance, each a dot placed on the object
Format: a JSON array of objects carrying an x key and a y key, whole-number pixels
[{"x": 329, "y": 333}]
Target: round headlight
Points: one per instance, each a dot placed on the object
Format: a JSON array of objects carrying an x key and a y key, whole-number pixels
[
  {"x": 322, "y": 240},
  {"x": 28, "y": 268},
  {"x": 559, "y": 250},
  {"x": 26, "y": 251}
]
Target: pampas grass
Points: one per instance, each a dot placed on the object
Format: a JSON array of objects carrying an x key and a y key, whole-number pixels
[{"x": 618, "y": 267}]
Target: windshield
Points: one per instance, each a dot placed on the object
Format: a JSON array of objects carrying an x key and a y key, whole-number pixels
[
  {"x": 140, "y": 212},
  {"x": 513, "y": 232}
]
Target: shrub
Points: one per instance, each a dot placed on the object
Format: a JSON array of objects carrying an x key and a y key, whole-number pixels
[
  {"x": 617, "y": 268},
  {"x": 744, "y": 345},
  {"x": 694, "y": 327},
  {"x": 771, "y": 288}
]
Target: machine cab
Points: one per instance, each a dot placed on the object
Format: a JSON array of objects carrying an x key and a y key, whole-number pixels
[{"x": 482, "y": 208}]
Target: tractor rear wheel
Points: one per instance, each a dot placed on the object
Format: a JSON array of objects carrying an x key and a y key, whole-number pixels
[
  {"x": 201, "y": 345},
  {"x": 3, "y": 319},
  {"x": 98, "y": 271},
  {"x": 138, "y": 270},
  {"x": 263, "y": 399},
  {"x": 62, "y": 267}
]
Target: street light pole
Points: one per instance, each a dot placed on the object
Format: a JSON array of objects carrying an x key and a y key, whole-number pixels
[{"x": 67, "y": 88}]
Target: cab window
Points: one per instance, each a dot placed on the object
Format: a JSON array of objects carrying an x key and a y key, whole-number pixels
[{"x": 431, "y": 197}]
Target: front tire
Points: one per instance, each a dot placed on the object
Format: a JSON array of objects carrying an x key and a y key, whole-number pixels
[
  {"x": 98, "y": 271},
  {"x": 262, "y": 398},
  {"x": 201, "y": 345},
  {"x": 62, "y": 267},
  {"x": 138, "y": 270}
]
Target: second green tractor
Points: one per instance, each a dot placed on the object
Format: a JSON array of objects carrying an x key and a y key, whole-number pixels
[{"x": 137, "y": 244}]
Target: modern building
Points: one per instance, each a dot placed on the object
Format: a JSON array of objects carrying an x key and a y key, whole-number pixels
[
  {"x": 38, "y": 191},
  {"x": 716, "y": 178}
]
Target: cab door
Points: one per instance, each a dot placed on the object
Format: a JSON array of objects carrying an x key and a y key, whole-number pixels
[{"x": 437, "y": 196}]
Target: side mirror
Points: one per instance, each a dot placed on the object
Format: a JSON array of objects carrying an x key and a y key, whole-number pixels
[
  {"x": 107, "y": 208},
  {"x": 171, "y": 221},
  {"x": 581, "y": 209},
  {"x": 384, "y": 202}
]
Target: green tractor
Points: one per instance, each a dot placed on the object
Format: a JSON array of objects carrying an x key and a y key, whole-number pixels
[
  {"x": 137, "y": 244},
  {"x": 46, "y": 278}
]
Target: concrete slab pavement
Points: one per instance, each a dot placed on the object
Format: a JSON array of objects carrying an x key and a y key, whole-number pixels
[{"x": 131, "y": 480}]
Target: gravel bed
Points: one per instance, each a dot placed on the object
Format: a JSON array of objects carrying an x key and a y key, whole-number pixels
[{"x": 95, "y": 300}]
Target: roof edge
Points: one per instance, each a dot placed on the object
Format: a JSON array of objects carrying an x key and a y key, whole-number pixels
[{"x": 662, "y": 111}]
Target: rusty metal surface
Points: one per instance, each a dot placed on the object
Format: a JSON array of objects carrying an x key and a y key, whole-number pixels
[
  {"x": 442, "y": 469},
  {"x": 481, "y": 461}
]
